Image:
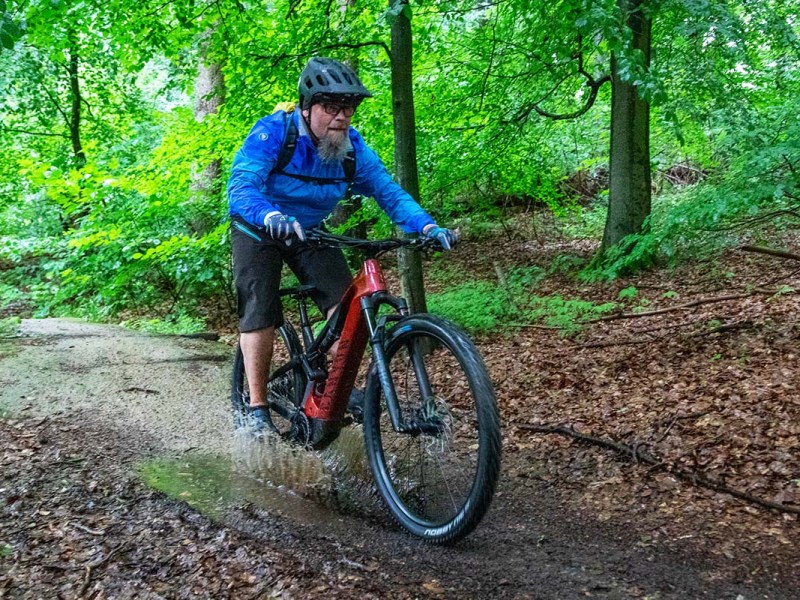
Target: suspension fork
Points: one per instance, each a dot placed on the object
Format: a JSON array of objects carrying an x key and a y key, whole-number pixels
[{"x": 376, "y": 327}]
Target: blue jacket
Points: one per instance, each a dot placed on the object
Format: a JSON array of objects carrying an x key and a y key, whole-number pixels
[{"x": 253, "y": 191}]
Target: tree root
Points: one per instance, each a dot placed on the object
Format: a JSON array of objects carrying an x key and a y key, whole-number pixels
[{"x": 640, "y": 456}]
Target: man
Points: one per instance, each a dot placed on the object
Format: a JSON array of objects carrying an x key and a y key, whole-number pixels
[{"x": 272, "y": 204}]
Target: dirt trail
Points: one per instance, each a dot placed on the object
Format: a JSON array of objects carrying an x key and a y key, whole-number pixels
[
  {"x": 84, "y": 403},
  {"x": 171, "y": 387}
]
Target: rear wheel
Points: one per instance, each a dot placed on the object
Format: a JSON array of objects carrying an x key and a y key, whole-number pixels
[
  {"x": 438, "y": 479},
  {"x": 285, "y": 393}
]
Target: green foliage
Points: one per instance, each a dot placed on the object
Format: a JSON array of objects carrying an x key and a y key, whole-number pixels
[
  {"x": 478, "y": 306},
  {"x": 9, "y": 326},
  {"x": 484, "y": 307},
  {"x": 10, "y": 30},
  {"x": 567, "y": 314},
  {"x": 10, "y": 294},
  {"x": 123, "y": 229},
  {"x": 179, "y": 324}
]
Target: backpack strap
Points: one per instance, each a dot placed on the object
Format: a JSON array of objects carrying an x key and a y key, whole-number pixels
[
  {"x": 287, "y": 151},
  {"x": 349, "y": 166},
  {"x": 289, "y": 143}
]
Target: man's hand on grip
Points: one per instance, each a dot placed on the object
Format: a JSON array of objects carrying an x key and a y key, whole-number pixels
[
  {"x": 448, "y": 238},
  {"x": 282, "y": 227}
]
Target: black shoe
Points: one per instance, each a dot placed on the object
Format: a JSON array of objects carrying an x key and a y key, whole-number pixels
[{"x": 355, "y": 405}]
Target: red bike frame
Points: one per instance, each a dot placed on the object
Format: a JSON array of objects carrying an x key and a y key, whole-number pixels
[{"x": 327, "y": 400}]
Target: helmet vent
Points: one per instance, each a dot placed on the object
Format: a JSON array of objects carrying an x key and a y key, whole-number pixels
[{"x": 321, "y": 79}]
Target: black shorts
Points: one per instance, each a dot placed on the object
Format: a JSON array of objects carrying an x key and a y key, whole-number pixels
[{"x": 257, "y": 275}]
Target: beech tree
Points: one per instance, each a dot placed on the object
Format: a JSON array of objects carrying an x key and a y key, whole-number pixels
[
  {"x": 629, "y": 182},
  {"x": 405, "y": 143}
]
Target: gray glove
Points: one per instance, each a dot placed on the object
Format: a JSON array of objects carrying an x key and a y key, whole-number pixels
[
  {"x": 281, "y": 227},
  {"x": 448, "y": 238}
]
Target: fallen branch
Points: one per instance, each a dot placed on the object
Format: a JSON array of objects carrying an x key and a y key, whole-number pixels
[
  {"x": 95, "y": 565},
  {"x": 649, "y": 340},
  {"x": 618, "y": 343},
  {"x": 531, "y": 326},
  {"x": 770, "y": 251},
  {"x": 645, "y": 457},
  {"x": 698, "y": 302},
  {"x": 78, "y": 526},
  {"x": 745, "y": 324},
  {"x": 674, "y": 419}
]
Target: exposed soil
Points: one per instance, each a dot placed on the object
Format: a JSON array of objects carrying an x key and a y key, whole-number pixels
[{"x": 710, "y": 390}]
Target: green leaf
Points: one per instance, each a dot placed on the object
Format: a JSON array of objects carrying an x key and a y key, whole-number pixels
[
  {"x": 3, "y": 6},
  {"x": 6, "y": 40},
  {"x": 12, "y": 28},
  {"x": 396, "y": 9}
]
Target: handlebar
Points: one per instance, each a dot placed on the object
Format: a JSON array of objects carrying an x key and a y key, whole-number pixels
[{"x": 372, "y": 248}]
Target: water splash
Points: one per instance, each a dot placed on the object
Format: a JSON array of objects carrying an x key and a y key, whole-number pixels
[
  {"x": 338, "y": 477},
  {"x": 276, "y": 463}
]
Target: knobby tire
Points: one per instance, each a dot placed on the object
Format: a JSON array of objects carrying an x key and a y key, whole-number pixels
[{"x": 439, "y": 483}]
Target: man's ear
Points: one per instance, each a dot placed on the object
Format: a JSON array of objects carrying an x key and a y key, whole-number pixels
[{"x": 305, "y": 112}]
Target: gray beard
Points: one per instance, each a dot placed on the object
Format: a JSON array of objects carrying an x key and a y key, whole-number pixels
[{"x": 334, "y": 148}]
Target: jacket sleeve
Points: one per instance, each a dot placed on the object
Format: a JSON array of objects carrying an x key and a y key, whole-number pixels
[
  {"x": 372, "y": 179},
  {"x": 252, "y": 165}
]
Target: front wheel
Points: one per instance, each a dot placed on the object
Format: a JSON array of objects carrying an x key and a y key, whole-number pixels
[{"x": 438, "y": 478}]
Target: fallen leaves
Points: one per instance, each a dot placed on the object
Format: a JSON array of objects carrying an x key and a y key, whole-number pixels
[
  {"x": 709, "y": 385},
  {"x": 77, "y": 524}
]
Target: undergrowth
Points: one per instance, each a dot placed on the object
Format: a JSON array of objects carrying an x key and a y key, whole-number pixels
[
  {"x": 9, "y": 326},
  {"x": 180, "y": 324},
  {"x": 755, "y": 198},
  {"x": 485, "y": 307}
]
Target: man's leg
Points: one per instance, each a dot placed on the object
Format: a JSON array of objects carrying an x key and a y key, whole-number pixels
[
  {"x": 257, "y": 272},
  {"x": 257, "y": 351}
]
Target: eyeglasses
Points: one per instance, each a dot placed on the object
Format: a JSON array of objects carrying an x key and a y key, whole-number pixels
[{"x": 335, "y": 109}]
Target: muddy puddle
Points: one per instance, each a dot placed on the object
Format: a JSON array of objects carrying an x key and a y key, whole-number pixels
[{"x": 327, "y": 489}]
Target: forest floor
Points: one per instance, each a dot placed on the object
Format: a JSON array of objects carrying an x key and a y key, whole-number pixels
[{"x": 652, "y": 455}]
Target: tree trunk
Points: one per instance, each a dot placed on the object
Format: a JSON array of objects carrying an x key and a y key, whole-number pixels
[
  {"x": 351, "y": 204},
  {"x": 209, "y": 95},
  {"x": 75, "y": 115},
  {"x": 629, "y": 163},
  {"x": 405, "y": 151}
]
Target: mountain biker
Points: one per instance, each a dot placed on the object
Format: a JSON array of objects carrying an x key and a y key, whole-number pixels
[{"x": 271, "y": 205}]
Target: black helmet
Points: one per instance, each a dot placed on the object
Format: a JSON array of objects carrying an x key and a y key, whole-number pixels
[{"x": 325, "y": 78}]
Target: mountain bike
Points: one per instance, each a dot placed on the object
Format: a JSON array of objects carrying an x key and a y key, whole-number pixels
[{"x": 431, "y": 424}]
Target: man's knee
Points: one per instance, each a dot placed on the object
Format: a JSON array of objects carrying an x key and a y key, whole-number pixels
[{"x": 261, "y": 336}]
